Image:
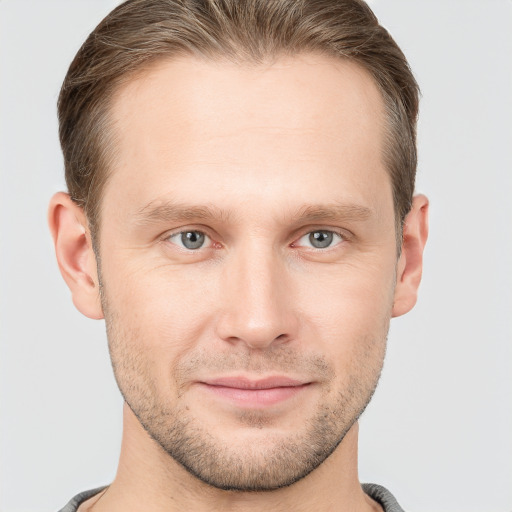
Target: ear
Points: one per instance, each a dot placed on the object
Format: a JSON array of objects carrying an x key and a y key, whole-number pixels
[
  {"x": 75, "y": 255},
  {"x": 410, "y": 263}
]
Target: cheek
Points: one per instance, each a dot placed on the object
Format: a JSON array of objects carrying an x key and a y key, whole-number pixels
[
  {"x": 174, "y": 308},
  {"x": 350, "y": 306},
  {"x": 162, "y": 312},
  {"x": 352, "y": 322}
]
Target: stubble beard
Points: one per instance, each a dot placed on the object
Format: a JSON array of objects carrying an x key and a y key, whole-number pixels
[{"x": 276, "y": 461}]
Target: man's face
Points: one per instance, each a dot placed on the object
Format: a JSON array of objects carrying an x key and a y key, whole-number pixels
[{"x": 248, "y": 261}]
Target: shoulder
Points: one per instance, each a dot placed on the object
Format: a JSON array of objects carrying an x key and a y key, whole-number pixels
[
  {"x": 382, "y": 496},
  {"x": 76, "y": 501}
]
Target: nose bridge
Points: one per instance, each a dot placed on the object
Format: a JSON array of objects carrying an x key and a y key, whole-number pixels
[{"x": 257, "y": 310}]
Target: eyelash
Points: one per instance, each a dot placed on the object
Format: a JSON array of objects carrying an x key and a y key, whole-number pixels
[{"x": 342, "y": 238}]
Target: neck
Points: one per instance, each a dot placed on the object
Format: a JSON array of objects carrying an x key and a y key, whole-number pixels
[{"x": 149, "y": 479}]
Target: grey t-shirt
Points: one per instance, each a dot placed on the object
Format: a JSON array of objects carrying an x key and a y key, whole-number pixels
[{"x": 380, "y": 494}]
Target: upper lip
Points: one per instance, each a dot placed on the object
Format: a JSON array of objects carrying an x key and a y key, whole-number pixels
[{"x": 247, "y": 383}]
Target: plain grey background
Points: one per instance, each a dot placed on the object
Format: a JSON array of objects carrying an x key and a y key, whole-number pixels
[{"x": 439, "y": 430}]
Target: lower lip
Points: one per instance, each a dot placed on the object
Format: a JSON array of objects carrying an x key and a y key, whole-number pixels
[{"x": 255, "y": 397}]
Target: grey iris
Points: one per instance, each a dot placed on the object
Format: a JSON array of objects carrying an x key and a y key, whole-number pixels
[
  {"x": 192, "y": 239},
  {"x": 321, "y": 239}
]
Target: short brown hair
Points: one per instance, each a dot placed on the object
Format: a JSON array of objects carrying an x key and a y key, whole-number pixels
[{"x": 138, "y": 32}]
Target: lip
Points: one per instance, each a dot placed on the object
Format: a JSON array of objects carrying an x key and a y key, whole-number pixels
[{"x": 254, "y": 393}]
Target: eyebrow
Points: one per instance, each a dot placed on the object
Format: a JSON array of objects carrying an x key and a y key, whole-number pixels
[
  {"x": 170, "y": 211},
  {"x": 333, "y": 211}
]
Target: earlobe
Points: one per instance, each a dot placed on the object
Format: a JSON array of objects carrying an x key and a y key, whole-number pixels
[
  {"x": 410, "y": 263},
  {"x": 75, "y": 254}
]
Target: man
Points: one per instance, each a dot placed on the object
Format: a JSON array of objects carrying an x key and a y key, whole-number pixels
[{"x": 241, "y": 213}]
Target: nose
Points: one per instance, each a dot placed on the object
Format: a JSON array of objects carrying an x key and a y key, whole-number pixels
[{"x": 257, "y": 306}]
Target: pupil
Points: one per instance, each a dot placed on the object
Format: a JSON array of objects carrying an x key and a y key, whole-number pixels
[
  {"x": 321, "y": 239},
  {"x": 192, "y": 239}
]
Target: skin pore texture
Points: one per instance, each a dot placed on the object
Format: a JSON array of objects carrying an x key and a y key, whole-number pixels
[{"x": 248, "y": 276}]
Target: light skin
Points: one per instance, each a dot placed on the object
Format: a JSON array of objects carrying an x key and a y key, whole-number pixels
[{"x": 247, "y": 240}]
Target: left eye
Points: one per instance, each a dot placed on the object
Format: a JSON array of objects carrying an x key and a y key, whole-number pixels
[
  {"x": 321, "y": 239},
  {"x": 190, "y": 240}
]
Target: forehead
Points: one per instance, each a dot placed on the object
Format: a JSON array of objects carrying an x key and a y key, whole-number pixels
[{"x": 188, "y": 126}]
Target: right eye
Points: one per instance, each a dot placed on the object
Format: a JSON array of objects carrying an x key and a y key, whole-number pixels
[{"x": 190, "y": 240}]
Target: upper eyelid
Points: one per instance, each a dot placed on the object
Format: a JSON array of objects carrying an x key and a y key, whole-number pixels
[
  {"x": 343, "y": 233},
  {"x": 174, "y": 233},
  {"x": 297, "y": 235},
  {"x": 177, "y": 231}
]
